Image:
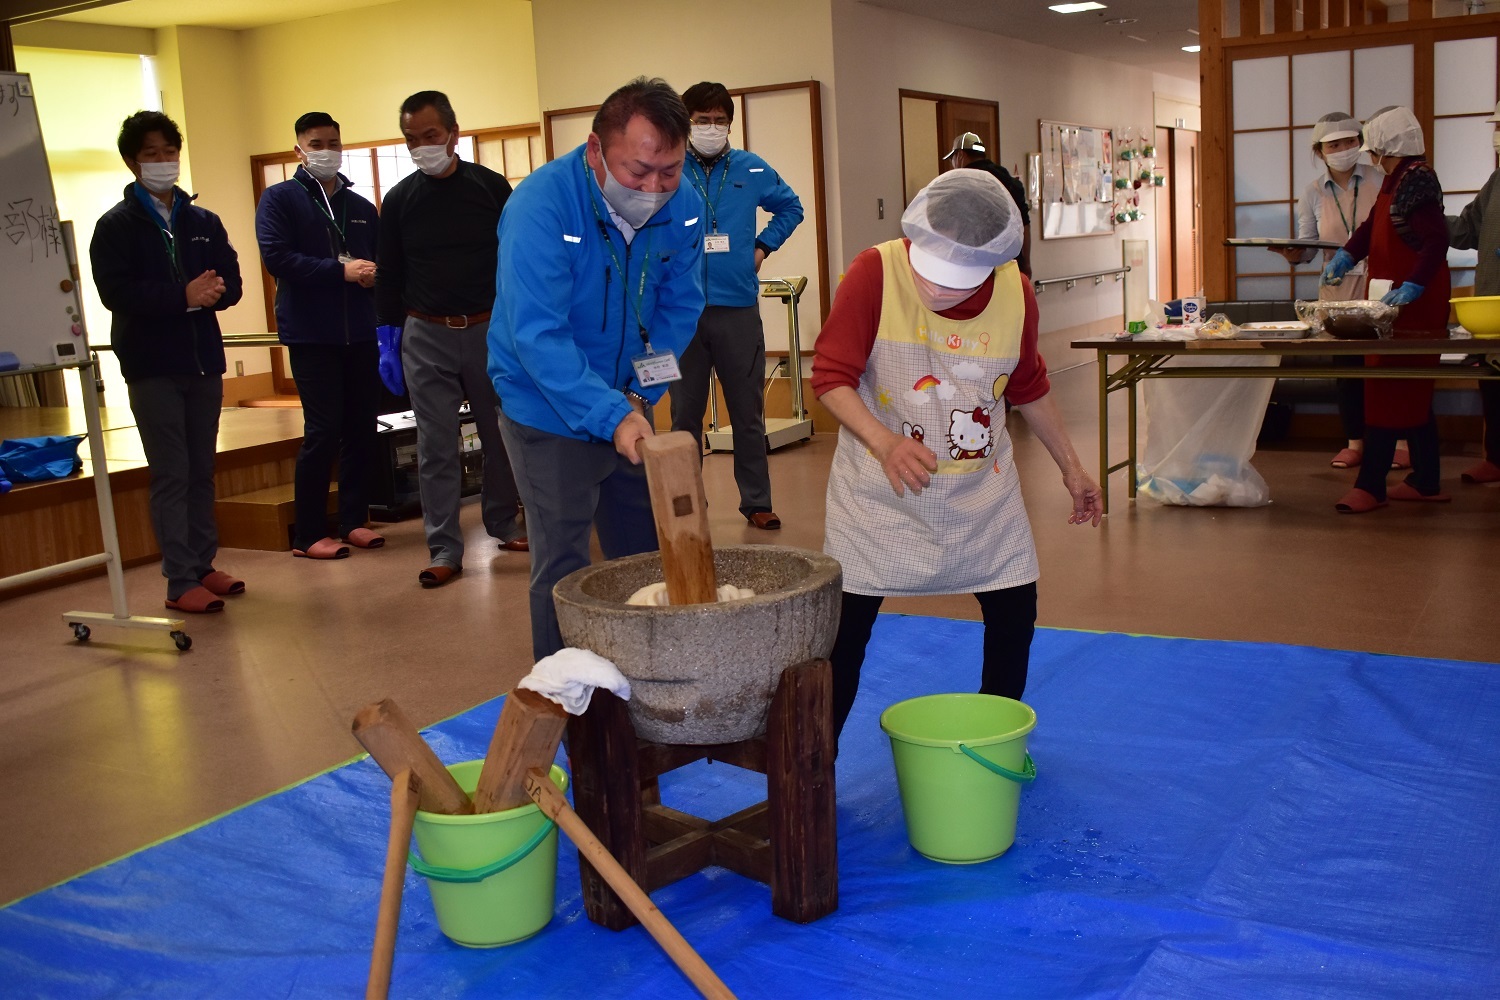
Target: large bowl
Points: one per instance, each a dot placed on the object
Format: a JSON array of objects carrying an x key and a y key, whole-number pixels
[
  {"x": 1479, "y": 314},
  {"x": 705, "y": 673}
]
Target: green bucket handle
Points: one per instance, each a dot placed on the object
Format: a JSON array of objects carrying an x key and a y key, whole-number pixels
[
  {"x": 466, "y": 875},
  {"x": 1025, "y": 776}
]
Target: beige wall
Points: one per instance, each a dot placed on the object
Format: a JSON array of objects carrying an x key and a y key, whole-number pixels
[{"x": 1030, "y": 82}]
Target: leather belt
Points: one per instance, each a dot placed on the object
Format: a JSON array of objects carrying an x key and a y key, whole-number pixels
[{"x": 453, "y": 322}]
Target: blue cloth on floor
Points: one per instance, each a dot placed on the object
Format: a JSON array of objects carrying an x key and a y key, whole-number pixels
[
  {"x": 37, "y": 459},
  {"x": 1210, "y": 819}
]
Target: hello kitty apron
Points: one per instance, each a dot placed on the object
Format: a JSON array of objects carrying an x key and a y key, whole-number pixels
[{"x": 941, "y": 381}]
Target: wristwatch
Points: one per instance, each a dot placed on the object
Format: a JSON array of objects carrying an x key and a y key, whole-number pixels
[{"x": 636, "y": 397}]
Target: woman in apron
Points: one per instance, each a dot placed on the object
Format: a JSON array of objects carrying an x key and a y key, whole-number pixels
[
  {"x": 928, "y": 338},
  {"x": 1332, "y": 208},
  {"x": 1406, "y": 241}
]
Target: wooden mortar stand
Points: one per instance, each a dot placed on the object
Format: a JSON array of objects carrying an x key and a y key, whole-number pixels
[{"x": 788, "y": 842}]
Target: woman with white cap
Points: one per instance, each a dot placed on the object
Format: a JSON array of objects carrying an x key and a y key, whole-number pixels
[
  {"x": 1477, "y": 227},
  {"x": 1406, "y": 241},
  {"x": 1331, "y": 209},
  {"x": 927, "y": 340}
]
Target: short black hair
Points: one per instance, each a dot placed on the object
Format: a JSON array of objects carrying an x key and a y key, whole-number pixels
[
  {"x": 312, "y": 120},
  {"x": 708, "y": 96},
  {"x": 654, "y": 100},
  {"x": 431, "y": 99},
  {"x": 134, "y": 130}
]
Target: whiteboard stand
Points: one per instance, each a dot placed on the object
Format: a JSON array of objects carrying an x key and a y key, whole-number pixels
[{"x": 80, "y": 621}]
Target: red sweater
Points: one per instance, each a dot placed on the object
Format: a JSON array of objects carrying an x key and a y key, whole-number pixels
[{"x": 848, "y": 337}]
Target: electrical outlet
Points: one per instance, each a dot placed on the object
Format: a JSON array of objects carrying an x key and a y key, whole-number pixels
[{"x": 239, "y": 368}]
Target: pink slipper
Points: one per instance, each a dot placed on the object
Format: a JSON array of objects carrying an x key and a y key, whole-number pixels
[
  {"x": 364, "y": 538},
  {"x": 1406, "y": 491},
  {"x": 323, "y": 548},
  {"x": 1347, "y": 459},
  {"x": 198, "y": 601},
  {"x": 221, "y": 584},
  {"x": 1484, "y": 472},
  {"x": 1358, "y": 501},
  {"x": 1402, "y": 459}
]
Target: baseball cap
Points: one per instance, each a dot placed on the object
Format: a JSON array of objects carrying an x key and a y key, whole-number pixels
[{"x": 969, "y": 142}]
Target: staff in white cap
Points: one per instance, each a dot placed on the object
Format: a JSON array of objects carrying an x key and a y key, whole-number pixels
[{"x": 927, "y": 339}]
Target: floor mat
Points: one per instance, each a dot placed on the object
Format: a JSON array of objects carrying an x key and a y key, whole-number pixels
[{"x": 1210, "y": 819}]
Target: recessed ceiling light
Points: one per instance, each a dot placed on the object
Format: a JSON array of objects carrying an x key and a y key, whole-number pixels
[
  {"x": 1191, "y": 48},
  {"x": 1117, "y": 21},
  {"x": 1074, "y": 8},
  {"x": 1192, "y": 31},
  {"x": 1135, "y": 38}
]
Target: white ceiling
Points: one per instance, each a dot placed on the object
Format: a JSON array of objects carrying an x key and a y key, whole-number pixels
[{"x": 1162, "y": 24}]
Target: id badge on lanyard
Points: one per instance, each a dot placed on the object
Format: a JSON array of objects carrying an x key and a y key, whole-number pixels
[
  {"x": 716, "y": 243},
  {"x": 655, "y": 367}
]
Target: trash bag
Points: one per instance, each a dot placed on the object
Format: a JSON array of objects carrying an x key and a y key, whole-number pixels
[
  {"x": 1200, "y": 436},
  {"x": 32, "y": 460}
]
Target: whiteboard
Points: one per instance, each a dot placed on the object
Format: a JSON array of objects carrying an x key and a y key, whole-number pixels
[{"x": 39, "y": 319}]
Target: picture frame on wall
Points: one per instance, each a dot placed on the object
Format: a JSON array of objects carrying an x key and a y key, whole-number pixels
[{"x": 1076, "y": 190}]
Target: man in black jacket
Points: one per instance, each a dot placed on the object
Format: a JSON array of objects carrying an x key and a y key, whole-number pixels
[
  {"x": 434, "y": 291},
  {"x": 969, "y": 151},
  {"x": 164, "y": 268},
  {"x": 317, "y": 238}
]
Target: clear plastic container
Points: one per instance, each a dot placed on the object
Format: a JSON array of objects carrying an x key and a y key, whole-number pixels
[{"x": 1354, "y": 319}]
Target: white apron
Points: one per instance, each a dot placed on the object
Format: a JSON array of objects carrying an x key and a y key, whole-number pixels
[
  {"x": 941, "y": 381},
  {"x": 1339, "y": 214}
]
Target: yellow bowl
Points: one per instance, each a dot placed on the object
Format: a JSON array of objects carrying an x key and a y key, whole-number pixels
[{"x": 1480, "y": 315}]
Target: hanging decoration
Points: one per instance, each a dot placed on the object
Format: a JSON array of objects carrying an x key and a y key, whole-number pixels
[{"x": 1135, "y": 168}]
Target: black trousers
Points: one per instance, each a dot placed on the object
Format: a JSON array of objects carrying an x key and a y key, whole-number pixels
[
  {"x": 1489, "y": 398},
  {"x": 1351, "y": 396},
  {"x": 1380, "y": 448},
  {"x": 1009, "y": 623},
  {"x": 340, "y": 389}
]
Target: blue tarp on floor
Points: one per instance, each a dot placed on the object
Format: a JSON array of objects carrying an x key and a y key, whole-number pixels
[{"x": 1211, "y": 819}]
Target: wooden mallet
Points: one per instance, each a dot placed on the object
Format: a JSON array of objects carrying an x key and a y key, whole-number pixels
[
  {"x": 526, "y": 736},
  {"x": 389, "y": 737},
  {"x": 674, "y": 475},
  {"x": 405, "y": 791}
]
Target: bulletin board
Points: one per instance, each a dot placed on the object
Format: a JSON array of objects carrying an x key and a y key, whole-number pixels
[
  {"x": 783, "y": 124},
  {"x": 1077, "y": 188},
  {"x": 40, "y": 321}
]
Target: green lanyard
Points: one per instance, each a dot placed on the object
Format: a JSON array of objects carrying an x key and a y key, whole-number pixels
[
  {"x": 164, "y": 227},
  {"x": 609, "y": 244},
  {"x": 326, "y": 207},
  {"x": 712, "y": 203},
  {"x": 1353, "y": 209}
]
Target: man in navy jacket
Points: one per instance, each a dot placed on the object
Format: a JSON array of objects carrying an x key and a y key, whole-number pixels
[
  {"x": 164, "y": 268},
  {"x": 317, "y": 238}
]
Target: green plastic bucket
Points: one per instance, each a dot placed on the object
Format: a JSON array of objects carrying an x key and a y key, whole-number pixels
[
  {"x": 493, "y": 876},
  {"x": 960, "y": 763}
]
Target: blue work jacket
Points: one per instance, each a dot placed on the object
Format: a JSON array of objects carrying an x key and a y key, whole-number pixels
[{"x": 733, "y": 186}]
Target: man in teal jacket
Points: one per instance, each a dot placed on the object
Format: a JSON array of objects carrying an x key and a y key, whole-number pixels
[
  {"x": 598, "y": 293},
  {"x": 730, "y": 339}
]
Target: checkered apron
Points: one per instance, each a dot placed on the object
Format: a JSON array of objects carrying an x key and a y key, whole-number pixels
[{"x": 939, "y": 380}]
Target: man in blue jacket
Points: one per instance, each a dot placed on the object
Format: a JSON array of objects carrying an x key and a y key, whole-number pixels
[
  {"x": 164, "y": 268},
  {"x": 730, "y": 338},
  {"x": 598, "y": 292},
  {"x": 317, "y": 238}
]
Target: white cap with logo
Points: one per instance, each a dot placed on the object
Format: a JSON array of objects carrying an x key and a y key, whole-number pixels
[{"x": 969, "y": 142}]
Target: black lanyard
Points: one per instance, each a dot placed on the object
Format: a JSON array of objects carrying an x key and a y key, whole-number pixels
[
  {"x": 326, "y": 207},
  {"x": 164, "y": 227},
  {"x": 609, "y": 244},
  {"x": 712, "y": 203}
]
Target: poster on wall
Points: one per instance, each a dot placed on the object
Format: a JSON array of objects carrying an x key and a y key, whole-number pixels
[{"x": 1077, "y": 189}]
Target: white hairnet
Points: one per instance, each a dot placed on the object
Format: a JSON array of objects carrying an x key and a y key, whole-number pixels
[
  {"x": 1335, "y": 126},
  {"x": 1394, "y": 132},
  {"x": 962, "y": 226}
]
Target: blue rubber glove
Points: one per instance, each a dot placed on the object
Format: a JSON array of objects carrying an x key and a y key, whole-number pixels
[
  {"x": 388, "y": 338},
  {"x": 1407, "y": 291},
  {"x": 1334, "y": 273}
]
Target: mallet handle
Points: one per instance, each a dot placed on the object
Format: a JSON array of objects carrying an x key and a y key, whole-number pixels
[{"x": 405, "y": 790}]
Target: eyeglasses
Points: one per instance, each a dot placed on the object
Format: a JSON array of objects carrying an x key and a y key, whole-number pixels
[{"x": 707, "y": 120}]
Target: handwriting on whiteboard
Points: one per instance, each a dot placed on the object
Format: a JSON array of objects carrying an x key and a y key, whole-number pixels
[
  {"x": 32, "y": 224},
  {"x": 11, "y": 93}
]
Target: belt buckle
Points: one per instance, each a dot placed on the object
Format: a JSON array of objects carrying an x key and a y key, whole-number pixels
[{"x": 448, "y": 322}]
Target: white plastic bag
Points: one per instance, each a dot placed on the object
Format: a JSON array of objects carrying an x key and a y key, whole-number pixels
[{"x": 1200, "y": 436}]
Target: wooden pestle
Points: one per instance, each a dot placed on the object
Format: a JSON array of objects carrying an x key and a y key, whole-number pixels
[
  {"x": 674, "y": 475},
  {"x": 389, "y": 737}
]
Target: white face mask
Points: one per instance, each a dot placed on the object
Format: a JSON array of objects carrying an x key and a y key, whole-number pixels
[
  {"x": 1344, "y": 159},
  {"x": 635, "y": 207},
  {"x": 710, "y": 140},
  {"x": 323, "y": 163},
  {"x": 432, "y": 160},
  {"x": 159, "y": 178},
  {"x": 1375, "y": 160}
]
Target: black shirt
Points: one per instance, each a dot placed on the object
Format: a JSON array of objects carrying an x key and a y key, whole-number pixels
[
  {"x": 1017, "y": 191},
  {"x": 438, "y": 244}
]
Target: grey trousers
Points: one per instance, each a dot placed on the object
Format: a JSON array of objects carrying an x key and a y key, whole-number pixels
[
  {"x": 731, "y": 341},
  {"x": 568, "y": 486},
  {"x": 443, "y": 367},
  {"x": 177, "y": 417}
]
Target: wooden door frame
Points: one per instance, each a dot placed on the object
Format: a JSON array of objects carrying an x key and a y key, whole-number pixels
[{"x": 944, "y": 145}]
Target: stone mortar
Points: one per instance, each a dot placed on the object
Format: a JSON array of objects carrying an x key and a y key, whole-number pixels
[{"x": 705, "y": 673}]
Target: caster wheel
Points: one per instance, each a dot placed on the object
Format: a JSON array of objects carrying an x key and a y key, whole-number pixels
[
  {"x": 183, "y": 640},
  {"x": 81, "y": 632}
]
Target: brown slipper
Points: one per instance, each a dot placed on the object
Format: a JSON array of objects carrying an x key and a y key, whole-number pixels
[
  {"x": 364, "y": 538},
  {"x": 436, "y": 576},
  {"x": 1401, "y": 459},
  {"x": 198, "y": 601},
  {"x": 1358, "y": 501},
  {"x": 1406, "y": 491},
  {"x": 323, "y": 548},
  {"x": 764, "y": 519},
  {"x": 1347, "y": 459},
  {"x": 222, "y": 584}
]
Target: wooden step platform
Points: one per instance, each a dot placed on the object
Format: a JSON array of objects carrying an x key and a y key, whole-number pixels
[{"x": 262, "y": 519}]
